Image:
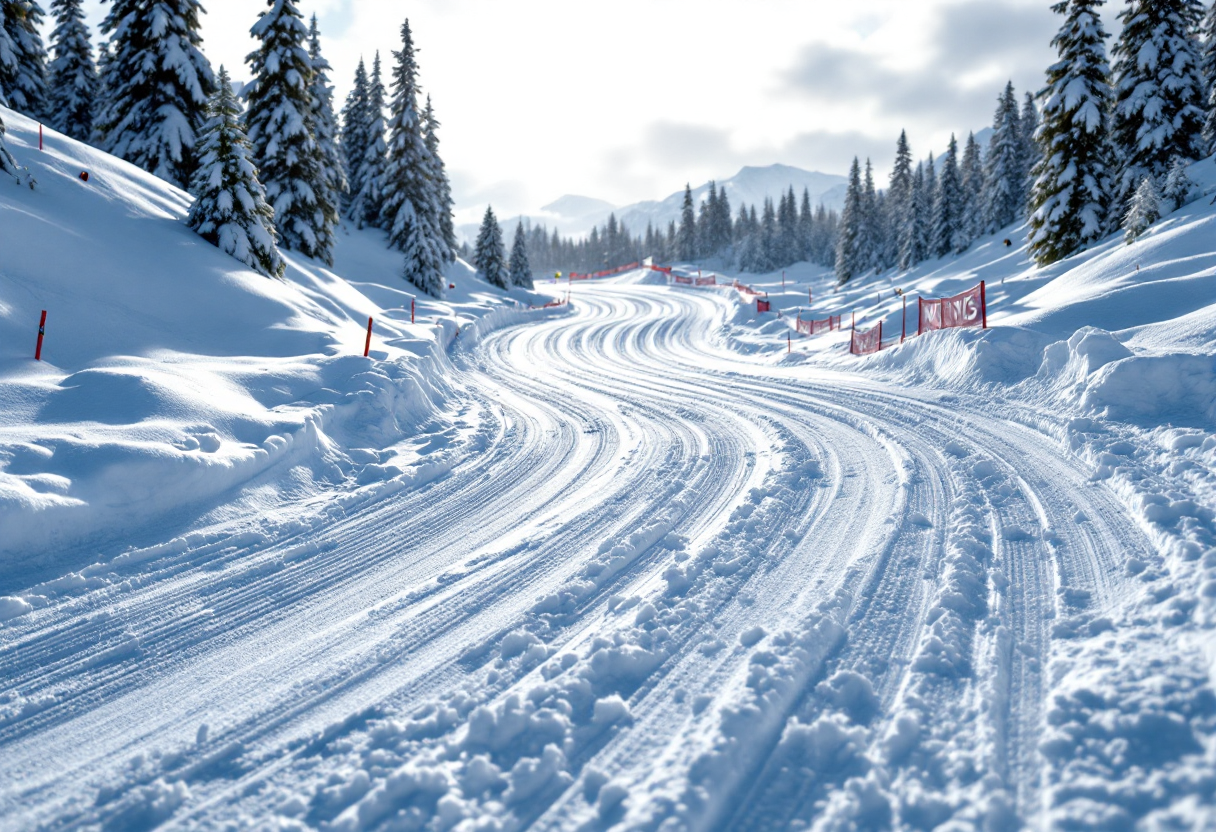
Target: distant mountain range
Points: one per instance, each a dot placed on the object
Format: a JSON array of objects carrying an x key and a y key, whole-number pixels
[{"x": 575, "y": 216}]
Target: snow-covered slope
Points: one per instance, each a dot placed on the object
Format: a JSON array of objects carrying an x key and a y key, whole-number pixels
[{"x": 171, "y": 374}]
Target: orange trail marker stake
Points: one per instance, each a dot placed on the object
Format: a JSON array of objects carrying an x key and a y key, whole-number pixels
[{"x": 367, "y": 347}]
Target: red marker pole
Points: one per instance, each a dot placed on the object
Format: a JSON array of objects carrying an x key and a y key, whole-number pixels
[
  {"x": 367, "y": 346},
  {"x": 411, "y": 310},
  {"x": 809, "y": 299},
  {"x": 41, "y": 333},
  {"x": 904, "y": 332},
  {"x": 40, "y": 137},
  {"x": 789, "y": 343},
  {"x": 984, "y": 302}
]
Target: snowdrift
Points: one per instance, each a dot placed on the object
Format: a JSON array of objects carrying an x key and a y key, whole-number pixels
[{"x": 172, "y": 375}]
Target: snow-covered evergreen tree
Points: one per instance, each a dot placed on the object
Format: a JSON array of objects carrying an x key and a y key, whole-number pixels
[
  {"x": 23, "y": 70},
  {"x": 1208, "y": 69},
  {"x": 911, "y": 232},
  {"x": 1031, "y": 154},
  {"x": 230, "y": 208},
  {"x": 520, "y": 269},
  {"x": 282, "y": 128},
  {"x": 333, "y": 183},
  {"x": 686, "y": 240},
  {"x": 488, "y": 255},
  {"x": 850, "y": 257},
  {"x": 279, "y": 124},
  {"x": 23, "y": 67},
  {"x": 411, "y": 210},
  {"x": 443, "y": 186},
  {"x": 1178, "y": 186},
  {"x": 870, "y": 244},
  {"x": 929, "y": 194},
  {"x": 356, "y": 131},
  {"x": 948, "y": 233},
  {"x": 899, "y": 201},
  {"x": 972, "y": 170},
  {"x": 73, "y": 76},
  {"x": 1071, "y": 199},
  {"x": 1004, "y": 171},
  {"x": 1159, "y": 105},
  {"x": 367, "y": 206},
  {"x": 158, "y": 83},
  {"x": 1143, "y": 210}
]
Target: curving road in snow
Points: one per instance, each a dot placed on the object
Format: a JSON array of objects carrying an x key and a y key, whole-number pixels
[{"x": 634, "y": 579}]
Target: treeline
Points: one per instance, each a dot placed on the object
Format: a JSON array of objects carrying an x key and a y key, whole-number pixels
[
  {"x": 275, "y": 170},
  {"x": 781, "y": 235},
  {"x": 1097, "y": 150}
]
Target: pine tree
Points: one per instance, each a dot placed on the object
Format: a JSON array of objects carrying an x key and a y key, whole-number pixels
[
  {"x": 411, "y": 210},
  {"x": 806, "y": 227},
  {"x": 705, "y": 243},
  {"x": 1143, "y": 209},
  {"x": 230, "y": 210},
  {"x": 1071, "y": 198},
  {"x": 368, "y": 203},
  {"x": 488, "y": 256},
  {"x": 332, "y": 181},
  {"x": 1031, "y": 154},
  {"x": 687, "y": 235},
  {"x": 1178, "y": 186},
  {"x": 912, "y": 233},
  {"x": 870, "y": 244},
  {"x": 279, "y": 124},
  {"x": 1004, "y": 173},
  {"x": 899, "y": 202},
  {"x": 929, "y": 194},
  {"x": 23, "y": 62},
  {"x": 521, "y": 270},
  {"x": 948, "y": 234},
  {"x": 356, "y": 133},
  {"x": 158, "y": 86},
  {"x": 1208, "y": 69},
  {"x": 973, "y": 189},
  {"x": 1158, "y": 112},
  {"x": 443, "y": 186},
  {"x": 849, "y": 254},
  {"x": 73, "y": 77}
]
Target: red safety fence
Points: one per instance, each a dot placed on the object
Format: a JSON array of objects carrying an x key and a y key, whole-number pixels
[
  {"x": 684, "y": 279},
  {"x": 828, "y": 324},
  {"x": 864, "y": 343},
  {"x": 605, "y": 273},
  {"x": 712, "y": 280},
  {"x": 550, "y": 304},
  {"x": 763, "y": 305},
  {"x": 745, "y": 289},
  {"x": 969, "y": 308},
  {"x": 664, "y": 269}
]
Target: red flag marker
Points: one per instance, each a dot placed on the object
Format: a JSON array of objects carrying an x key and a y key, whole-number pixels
[{"x": 367, "y": 347}]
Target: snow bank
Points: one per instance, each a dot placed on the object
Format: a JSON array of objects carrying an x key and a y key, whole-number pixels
[{"x": 172, "y": 376}]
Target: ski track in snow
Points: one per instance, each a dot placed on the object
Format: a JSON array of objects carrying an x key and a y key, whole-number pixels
[{"x": 646, "y": 582}]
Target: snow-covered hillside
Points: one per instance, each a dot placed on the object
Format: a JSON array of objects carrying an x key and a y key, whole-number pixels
[{"x": 172, "y": 376}]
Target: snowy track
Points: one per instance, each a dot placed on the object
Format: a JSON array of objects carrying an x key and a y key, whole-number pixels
[{"x": 635, "y": 579}]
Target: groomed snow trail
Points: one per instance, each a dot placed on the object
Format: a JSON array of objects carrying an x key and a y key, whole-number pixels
[{"x": 634, "y": 580}]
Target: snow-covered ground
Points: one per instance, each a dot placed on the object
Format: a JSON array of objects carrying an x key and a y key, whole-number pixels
[{"x": 627, "y": 564}]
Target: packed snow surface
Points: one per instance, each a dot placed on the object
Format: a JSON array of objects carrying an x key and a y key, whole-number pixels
[{"x": 637, "y": 563}]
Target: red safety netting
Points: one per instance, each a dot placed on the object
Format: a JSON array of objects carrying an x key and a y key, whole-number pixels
[
  {"x": 712, "y": 280},
  {"x": 864, "y": 343},
  {"x": 745, "y": 289},
  {"x": 970, "y": 308},
  {"x": 664, "y": 269},
  {"x": 763, "y": 305},
  {"x": 606, "y": 272},
  {"x": 679, "y": 278},
  {"x": 828, "y": 324}
]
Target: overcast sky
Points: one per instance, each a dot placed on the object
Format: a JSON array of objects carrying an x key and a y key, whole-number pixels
[{"x": 628, "y": 100}]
